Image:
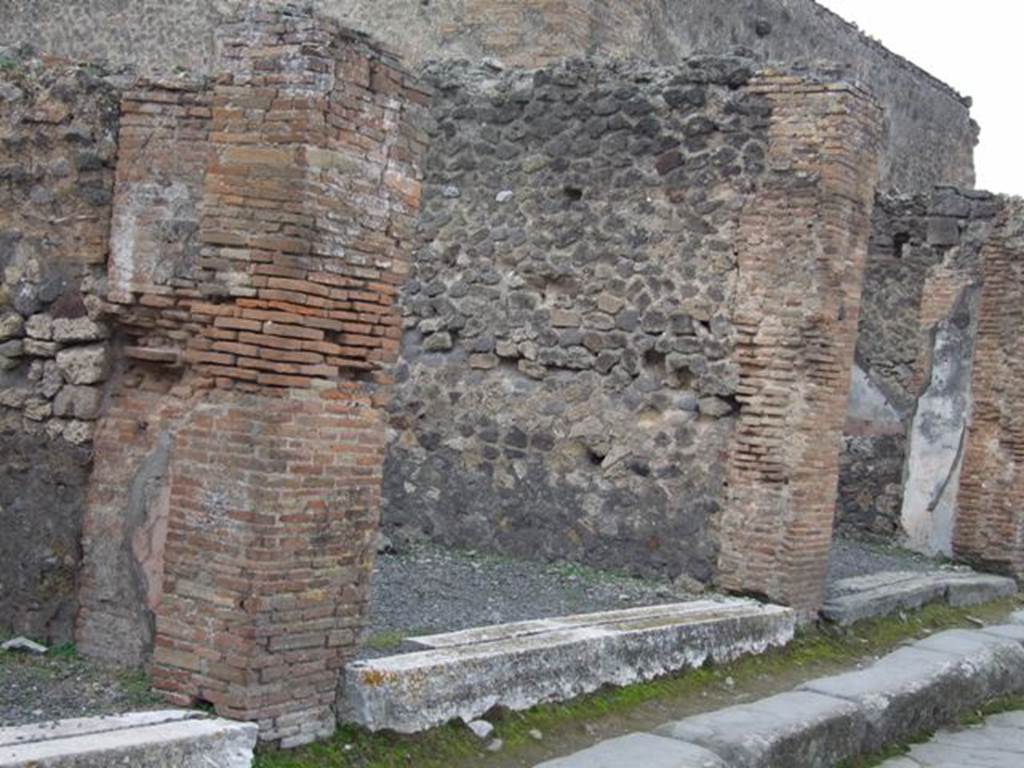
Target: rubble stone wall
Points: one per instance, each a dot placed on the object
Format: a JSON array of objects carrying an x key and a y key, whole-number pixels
[
  {"x": 566, "y": 388},
  {"x": 572, "y": 372},
  {"x": 931, "y": 140},
  {"x": 58, "y": 133}
]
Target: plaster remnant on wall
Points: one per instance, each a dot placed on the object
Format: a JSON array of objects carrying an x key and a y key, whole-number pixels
[
  {"x": 924, "y": 252},
  {"x": 936, "y": 440},
  {"x": 161, "y": 212},
  {"x": 870, "y": 404}
]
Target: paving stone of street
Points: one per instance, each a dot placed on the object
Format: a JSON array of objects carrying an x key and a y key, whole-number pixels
[{"x": 997, "y": 743}]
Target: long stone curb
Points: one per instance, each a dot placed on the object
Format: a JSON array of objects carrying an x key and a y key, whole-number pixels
[
  {"x": 920, "y": 687},
  {"x": 166, "y": 739},
  {"x": 465, "y": 674}
]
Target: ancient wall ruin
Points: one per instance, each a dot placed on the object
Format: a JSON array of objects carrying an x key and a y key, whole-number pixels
[
  {"x": 570, "y": 379},
  {"x": 631, "y": 312},
  {"x": 931, "y": 453},
  {"x": 931, "y": 137},
  {"x": 989, "y": 527},
  {"x": 259, "y": 227},
  {"x": 584, "y": 231},
  {"x": 58, "y": 130},
  {"x": 567, "y": 385},
  {"x": 914, "y": 351}
]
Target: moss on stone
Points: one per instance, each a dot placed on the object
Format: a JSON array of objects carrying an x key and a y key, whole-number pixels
[{"x": 818, "y": 650}]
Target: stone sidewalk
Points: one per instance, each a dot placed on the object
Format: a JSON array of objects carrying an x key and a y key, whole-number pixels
[
  {"x": 919, "y": 688},
  {"x": 997, "y": 743},
  {"x": 165, "y": 739}
]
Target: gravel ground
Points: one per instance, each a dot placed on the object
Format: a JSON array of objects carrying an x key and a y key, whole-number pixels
[
  {"x": 37, "y": 689},
  {"x": 424, "y": 589},
  {"x": 427, "y": 590},
  {"x": 851, "y": 557}
]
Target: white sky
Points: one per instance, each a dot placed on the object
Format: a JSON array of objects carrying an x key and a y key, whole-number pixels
[{"x": 975, "y": 46}]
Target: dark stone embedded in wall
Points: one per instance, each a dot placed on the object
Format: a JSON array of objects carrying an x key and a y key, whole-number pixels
[
  {"x": 58, "y": 134},
  {"x": 566, "y": 389},
  {"x": 143, "y": 32},
  {"x": 42, "y": 489},
  {"x": 871, "y": 485}
]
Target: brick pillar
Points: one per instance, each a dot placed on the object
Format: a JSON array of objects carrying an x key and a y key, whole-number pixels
[
  {"x": 990, "y": 517},
  {"x": 801, "y": 250},
  {"x": 309, "y": 201},
  {"x": 274, "y": 504},
  {"x": 254, "y": 280}
]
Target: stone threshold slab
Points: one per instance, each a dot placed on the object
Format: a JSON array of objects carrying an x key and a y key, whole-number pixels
[
  {"x": 627, "y": 618},
  {"x": 827, "y": 722},
  {"x": 519, "y": 665},
  {"x": 163, "y": 739},
  {"x": 884, "y": 594}
]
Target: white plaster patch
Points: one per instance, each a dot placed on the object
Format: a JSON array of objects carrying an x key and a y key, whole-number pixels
[{"x": 935, "y": 451}]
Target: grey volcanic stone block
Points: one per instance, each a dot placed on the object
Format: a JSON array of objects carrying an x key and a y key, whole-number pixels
[
  {"x": 1006, "y": 720},
  {"x": 1006, "y": 631},
  {"x": 917, "y": 689},
  {"x": 975, "y": 588},
  {"x": 640, "y": 749},
  {"x": 883, "y": 594},
  {"x": 965, "y": 642},
  {"x": 516, "y": 666},
  {"x": 169, "y": 739},
  {"x": 998, "y": 743},
  {"x": 880, "y": 594},
  {"x": 799, "y": 728},
  {"x": 995, "y": 660}
]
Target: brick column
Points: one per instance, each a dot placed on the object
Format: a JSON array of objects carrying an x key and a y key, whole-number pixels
[
  {"x": 274, "y": 504},
  {"x": 990, "y": 517},
  {"x": 254, "y": 278},
  {"x": 801, "y": 250}
]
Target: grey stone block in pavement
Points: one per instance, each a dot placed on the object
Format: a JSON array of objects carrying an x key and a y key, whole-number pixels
[
  {"x": 927, "y": 685},
  {"x": 798, "y": 728},
  {"x": 997, "y": 743},
  {"x": 639, "y": 749}
]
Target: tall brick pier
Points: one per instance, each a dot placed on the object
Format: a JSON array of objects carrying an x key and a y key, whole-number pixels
[{"x": 261, "y": 236}]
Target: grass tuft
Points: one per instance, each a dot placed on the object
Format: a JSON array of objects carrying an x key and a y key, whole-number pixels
[{"x": 64, "y": 651}]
